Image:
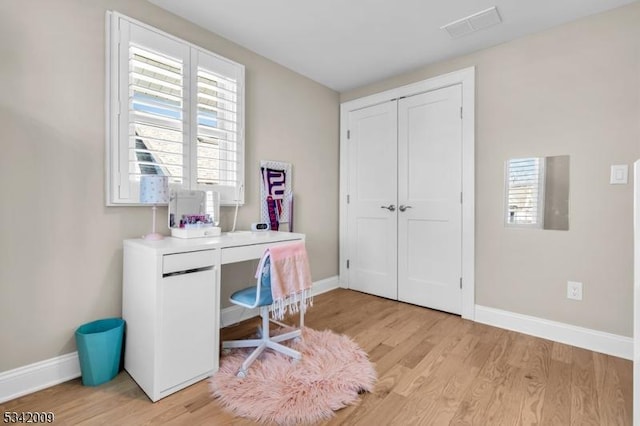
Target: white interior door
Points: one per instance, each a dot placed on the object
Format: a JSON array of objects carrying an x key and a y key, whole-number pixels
[
  {"x": 429, "y": 192},
  {"x": 372, "y": 189}
]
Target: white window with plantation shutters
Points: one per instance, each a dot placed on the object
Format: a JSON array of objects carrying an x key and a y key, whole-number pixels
[
  {"x": 175, "y": 110},
  {"x": 524, "y": 192}
]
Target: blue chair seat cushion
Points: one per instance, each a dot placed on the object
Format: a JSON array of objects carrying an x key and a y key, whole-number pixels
[{"x": 247, "y": 296}]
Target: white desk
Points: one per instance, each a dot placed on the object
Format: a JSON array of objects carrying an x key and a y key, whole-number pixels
[{"x": 171, "y": 304}]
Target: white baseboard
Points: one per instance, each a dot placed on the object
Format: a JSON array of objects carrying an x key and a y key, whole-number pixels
[
  {"x": 40, "y": 375},
  {"x": 235, "y": 314},
  {"x": 586, "y": 338}
]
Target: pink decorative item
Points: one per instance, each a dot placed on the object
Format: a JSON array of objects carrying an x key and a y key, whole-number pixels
[
  {"x": 290, "y": 279},
  {"x": 332, "y": 373}
]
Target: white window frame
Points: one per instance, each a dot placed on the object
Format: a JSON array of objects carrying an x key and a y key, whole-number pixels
[{"x": 119, "y": 190}]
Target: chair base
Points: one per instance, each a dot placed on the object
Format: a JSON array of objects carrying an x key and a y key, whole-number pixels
[{"x": 265, "y": 342}]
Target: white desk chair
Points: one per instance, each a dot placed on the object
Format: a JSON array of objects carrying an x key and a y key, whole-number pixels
[{"x": 260, "y": 296}]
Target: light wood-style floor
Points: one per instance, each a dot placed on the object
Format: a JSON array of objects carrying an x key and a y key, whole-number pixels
[{"x": 434, "y": 369}]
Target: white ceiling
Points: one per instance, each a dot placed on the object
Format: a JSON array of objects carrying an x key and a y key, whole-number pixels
[{"x": 344, "y": 44}]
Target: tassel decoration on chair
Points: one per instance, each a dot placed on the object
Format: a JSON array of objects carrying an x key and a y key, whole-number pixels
[{"x": 290, "y": 279}]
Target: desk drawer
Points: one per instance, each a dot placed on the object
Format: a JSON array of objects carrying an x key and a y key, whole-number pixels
[
  {"x": 185, "y": 261},
  {"x": 248, "y": 252}
]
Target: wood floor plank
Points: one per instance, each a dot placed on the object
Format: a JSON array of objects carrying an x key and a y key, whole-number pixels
[
  {"x": 496, "y": 366},
  {"x": 509, "y": 392},
  {"x": 624, "y": 370},
  {"x": 532, "y": 402},
  {"x": 385, "y": 319},
  {"x": 562, "y": 352},
  {"x": 418, "y": 353},
  {"x": 360, "y": 414},
  {"x": 556, "y": 410},
  {"x": 536, "y": 374},
  {"x": 473, "y": 405},
  {"x": 520, "y": 350},
  {"x": 584, "y": 404},
  {"x": 379, "y": 352},
  {"x": 611, "y": 401},
  {"x": 434, "y": 369},
  {"x": 421, "y": 403},
  {"x": 428, "y": 366},
  {"x": 449, "y": 401}
]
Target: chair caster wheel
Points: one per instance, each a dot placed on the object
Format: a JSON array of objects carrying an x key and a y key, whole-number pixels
[{"x": 241, "y": 374}]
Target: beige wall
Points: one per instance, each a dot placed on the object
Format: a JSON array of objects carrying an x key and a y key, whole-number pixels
[
  {"x": 571, "y": 90},
  {"x": 60, "y": 247}
]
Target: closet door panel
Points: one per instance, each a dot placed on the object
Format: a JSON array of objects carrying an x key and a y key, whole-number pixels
[
  {"x": 429, "y": 188},
  {"x": 372, "y": 185}
]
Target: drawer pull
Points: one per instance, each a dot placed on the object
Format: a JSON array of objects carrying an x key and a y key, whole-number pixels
[
  {"x": 181, "y": 262},
  {"x": 188, "y": 271}
]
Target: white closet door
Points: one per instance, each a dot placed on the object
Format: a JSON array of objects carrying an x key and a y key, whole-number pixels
[
  {"x": 372, "y": 186},
  {"x": 429, "y": 186}
]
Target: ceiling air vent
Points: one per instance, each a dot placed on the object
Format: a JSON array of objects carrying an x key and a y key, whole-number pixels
[{"x": 473, "y": 23}]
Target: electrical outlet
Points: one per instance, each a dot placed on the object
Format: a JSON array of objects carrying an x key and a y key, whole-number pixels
[{"x": 574, "y": 290}]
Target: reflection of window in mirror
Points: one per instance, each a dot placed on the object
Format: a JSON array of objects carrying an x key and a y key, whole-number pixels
[
  {"x": 537, "y": 192},
  {"x": 525, "y": 193}
]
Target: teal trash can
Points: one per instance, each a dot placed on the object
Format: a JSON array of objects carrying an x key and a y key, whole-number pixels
[{"x": 100, "y": 350}]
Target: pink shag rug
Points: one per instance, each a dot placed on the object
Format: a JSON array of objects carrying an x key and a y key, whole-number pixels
[{"x": 332, "y": 372}]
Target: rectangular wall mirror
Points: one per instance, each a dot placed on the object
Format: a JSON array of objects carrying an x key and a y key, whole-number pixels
[{"x": 537, "y": 192}]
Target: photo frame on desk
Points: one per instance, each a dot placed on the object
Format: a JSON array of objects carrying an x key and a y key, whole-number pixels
[{"x": 276, "y": 195}]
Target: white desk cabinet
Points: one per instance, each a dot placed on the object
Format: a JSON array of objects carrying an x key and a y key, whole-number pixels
[{"x": 171, "y": 305}]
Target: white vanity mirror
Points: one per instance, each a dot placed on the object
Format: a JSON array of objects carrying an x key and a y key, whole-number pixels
[
  {"x": 537, "y": 192},
  {"x": 194, "y": 214}
]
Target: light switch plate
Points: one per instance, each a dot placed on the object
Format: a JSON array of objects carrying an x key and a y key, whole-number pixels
[{"x": 619, "y": 174}]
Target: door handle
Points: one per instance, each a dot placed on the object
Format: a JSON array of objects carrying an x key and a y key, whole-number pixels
[
  {"x": 390, "y": 207},
  {"x": 403, "y": 207}
]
